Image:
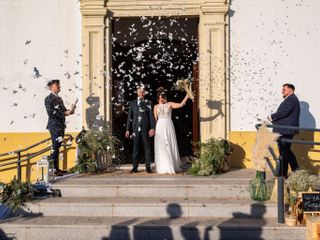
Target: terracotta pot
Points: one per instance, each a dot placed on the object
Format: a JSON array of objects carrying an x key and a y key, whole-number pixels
[
  {"x": 291, "y": 220},
  {"x": 226, "y": 164}
]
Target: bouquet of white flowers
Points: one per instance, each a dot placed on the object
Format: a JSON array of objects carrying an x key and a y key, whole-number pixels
[{"x": 184, "y": 85}]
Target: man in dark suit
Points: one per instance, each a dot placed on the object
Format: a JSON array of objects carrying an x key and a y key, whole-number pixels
[
  {"x": 288, "y": 114},
  {"x": 140, "y": 124},
  {"x": 56, "y": 121}
]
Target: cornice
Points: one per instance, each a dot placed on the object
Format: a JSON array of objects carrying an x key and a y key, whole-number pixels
[
  {"x": 93, "y": 7},
  {"x": 209, "y": 8},
  {"x": 193, "y": 7}
]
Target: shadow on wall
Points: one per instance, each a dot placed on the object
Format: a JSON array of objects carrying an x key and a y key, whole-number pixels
[
  {"x": 307, "y": 155},
  {"x": 237, "y": 156},
  {"x": 213, "y": 105},
  {"x": 93, "y": 118}
]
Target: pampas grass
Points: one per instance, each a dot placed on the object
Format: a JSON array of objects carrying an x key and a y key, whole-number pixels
[{"x": 265, "y": 138}]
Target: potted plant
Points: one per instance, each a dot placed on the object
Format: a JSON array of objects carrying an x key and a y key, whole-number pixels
[
  {"x": 300, "y": 181},
  {"x": 292, "y": 216},
  {"x": 96, "y": 150},
  {"x": 211, "y": 158}
]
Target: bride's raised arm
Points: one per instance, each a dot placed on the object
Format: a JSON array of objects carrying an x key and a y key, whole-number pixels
[{"x": 174, "y": 105}]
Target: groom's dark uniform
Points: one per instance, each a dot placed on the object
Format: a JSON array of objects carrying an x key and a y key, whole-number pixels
[
  {"x": 56, "y": 124},
  {"x": 140, "y": 121}
]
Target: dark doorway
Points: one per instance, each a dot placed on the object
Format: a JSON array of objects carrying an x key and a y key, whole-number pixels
[{"x": 155, "y": 52}]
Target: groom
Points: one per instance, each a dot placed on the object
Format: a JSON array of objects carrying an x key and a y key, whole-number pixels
[{"x": 140, "y": 124}]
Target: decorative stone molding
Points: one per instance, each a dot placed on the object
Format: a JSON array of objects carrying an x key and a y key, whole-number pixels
[{"x": 97, "y": 51}]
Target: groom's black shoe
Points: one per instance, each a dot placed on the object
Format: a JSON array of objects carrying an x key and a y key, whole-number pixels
[
  {"x": 134, "y": 170},
  {"x": 148, "y": 169}
]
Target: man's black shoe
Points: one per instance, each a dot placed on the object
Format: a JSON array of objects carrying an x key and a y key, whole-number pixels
[
  {"x": 148, "y": 169},
  {"x": 58, "y": 173},
  {"x": 134, "y": 170}
]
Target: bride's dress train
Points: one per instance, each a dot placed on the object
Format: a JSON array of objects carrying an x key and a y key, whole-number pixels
[{"x": 167, "y": 157}]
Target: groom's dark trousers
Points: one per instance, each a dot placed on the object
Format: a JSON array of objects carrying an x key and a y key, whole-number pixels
[{"x": 141, "y": 139}]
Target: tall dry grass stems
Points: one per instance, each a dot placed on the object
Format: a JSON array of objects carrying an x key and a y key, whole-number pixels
[{"x": 265, "y": 138}]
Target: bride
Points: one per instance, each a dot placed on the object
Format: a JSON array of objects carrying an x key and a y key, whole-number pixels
[{"x": 167, "y": 157}]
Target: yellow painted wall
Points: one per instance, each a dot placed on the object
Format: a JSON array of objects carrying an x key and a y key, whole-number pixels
[
  {"x": 15, "y": 141},
  {"x": 242, "y": 142}
]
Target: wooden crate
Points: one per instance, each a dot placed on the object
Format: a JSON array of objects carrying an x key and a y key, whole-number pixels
[{"x": 313, "y": 228}]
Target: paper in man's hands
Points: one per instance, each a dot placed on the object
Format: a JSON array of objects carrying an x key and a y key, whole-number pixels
[{"x": 75, "y": 102}]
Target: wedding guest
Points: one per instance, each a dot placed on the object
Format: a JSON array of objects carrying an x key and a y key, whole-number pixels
[
  {"x": 56, "y": 121},
  {"x": 288, "y": 114}
]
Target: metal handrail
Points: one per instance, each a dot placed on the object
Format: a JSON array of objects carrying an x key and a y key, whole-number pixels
[
  {"x": 18, "y": 159},
  {"x": 290, "y": 127},
  {"x": 279, "y": 162}
]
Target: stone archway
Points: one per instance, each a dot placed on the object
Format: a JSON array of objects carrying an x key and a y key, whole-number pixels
[{"x": 213, "y": 52}]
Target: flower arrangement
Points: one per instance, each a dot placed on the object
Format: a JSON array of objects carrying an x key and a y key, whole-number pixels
[
  {"x": 301, "y": 181},
  {"x": 211, "y": 157},
  {"x": 92, "y": 144},
  {"x": 185, "y": 85}
]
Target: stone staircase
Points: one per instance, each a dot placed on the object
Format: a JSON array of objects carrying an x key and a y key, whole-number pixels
[{"x": 152, "y": 206}]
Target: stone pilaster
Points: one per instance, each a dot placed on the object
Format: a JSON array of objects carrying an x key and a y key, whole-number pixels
[
  {"x": 213, "y": 86},
  {"x": 93, "y": 61}
]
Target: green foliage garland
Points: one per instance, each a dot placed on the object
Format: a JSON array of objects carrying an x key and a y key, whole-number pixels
[{"x": 15, "y": 194}]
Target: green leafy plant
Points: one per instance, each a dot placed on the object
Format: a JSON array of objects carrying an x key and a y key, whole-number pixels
[
  {"x": 91, "y": 143},
  {"x": 15, "y": 194},
  {"x": 211, "y": 157},
  {"x": 301, "y": 180}
]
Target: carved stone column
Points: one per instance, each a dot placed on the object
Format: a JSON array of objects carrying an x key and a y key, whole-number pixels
[{"x": 213, "y": 86}]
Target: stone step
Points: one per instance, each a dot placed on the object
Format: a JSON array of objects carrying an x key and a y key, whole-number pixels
[
  {"x": 232, "y": 184},
  {"x": 154, "y": 207},
  {"x": 155, "y": 188},
  {"x": 103, "y": 228}
]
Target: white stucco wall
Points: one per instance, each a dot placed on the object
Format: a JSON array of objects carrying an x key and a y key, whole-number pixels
[
  {"x": 53, "y": 26},
  {"x": 273, "y": 42}
]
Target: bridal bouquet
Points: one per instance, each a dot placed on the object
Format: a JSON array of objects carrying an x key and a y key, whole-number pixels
[{"x": 185, "y": 85}]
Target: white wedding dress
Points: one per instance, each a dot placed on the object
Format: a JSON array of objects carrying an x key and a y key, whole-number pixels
[{"x": 167, "y": 157}]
